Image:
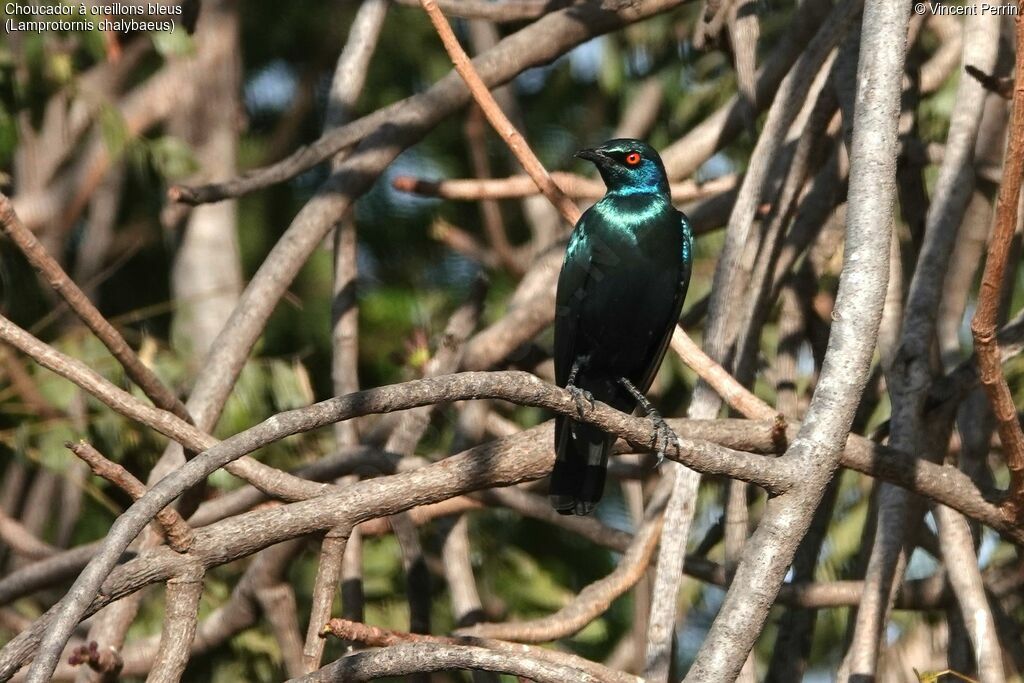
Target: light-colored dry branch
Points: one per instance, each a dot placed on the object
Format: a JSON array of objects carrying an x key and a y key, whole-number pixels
[
  {"x": 575, "y": 186},
  {"x": 817, "y": 449},
  {"x": 382, "y": 637},
  {"x": 725, "y": 385},
  {"x": 496, "y": 10},
  {"x": 179, "y": 626},
  {"x": 914, "y": 366},
  {"x": 964, "y": 576},
  {"x": 347, "y": 83}
]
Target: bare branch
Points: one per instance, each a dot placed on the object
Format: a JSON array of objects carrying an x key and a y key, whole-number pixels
[
  {"x": 508, "y": 132},
  {"x": 268, "y": 479},
  {"x": 178, "y": 533},
  {"x": 179, "y": 627},
  {"x": 278, "y": 603},
  {"x": 35, "y": 252},
  {"x": 983, "y": 325},
  {"x": 575, "y": 186},
  {"x": 965, "y": 578},
  {"x": 497, "y": 10},
  {"x": 387, "y": 638},
  {"x": 818, "y": 445},
  {"x": 914, "y": 365},
  {"x": 549, "y": 36},
  {"x": 594, "y": 600}
]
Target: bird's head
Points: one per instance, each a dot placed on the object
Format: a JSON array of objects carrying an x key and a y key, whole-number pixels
[{"x": 628, "y": 166}]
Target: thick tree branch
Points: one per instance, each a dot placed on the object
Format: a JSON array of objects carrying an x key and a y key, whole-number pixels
[{"x": 818, "y": 447}]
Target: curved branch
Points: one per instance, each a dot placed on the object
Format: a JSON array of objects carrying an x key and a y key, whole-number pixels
[
  {"x": 595, "y": 599},
  {"x": 383, "y": 637}
]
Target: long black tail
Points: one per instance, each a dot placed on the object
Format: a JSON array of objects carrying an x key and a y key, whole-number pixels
[{"x": 581, "y": 460}]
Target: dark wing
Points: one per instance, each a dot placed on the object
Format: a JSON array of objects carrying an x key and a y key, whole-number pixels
[
  {"x": 686, "y": 264},
  {"x": 572, "y": 287}
]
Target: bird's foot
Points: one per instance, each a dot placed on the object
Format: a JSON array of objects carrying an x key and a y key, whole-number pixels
[
  {"x": 582, "y": 398},
  {"x": 665, "y": 438}
]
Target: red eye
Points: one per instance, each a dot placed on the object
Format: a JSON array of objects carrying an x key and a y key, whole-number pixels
[{"x": 633, "y": 158}]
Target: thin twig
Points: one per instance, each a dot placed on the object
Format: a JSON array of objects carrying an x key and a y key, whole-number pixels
[
  {"x": 508, "y": 132},
  {"x": 515, "y": 187},
  {"x": 732, "y": 392},
  {"x": 594, "y": 600},
  {"x": 497, "y": 10},
  {"x": 36, "y": 254},
  {"x": 490, "y": 210},
  {"x": 983, "y": 325},
  {"x": 177, "y": 531},
  {"x": 1000, "y": 86}
]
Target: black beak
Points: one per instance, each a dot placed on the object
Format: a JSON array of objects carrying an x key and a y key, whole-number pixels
[{"x": 594, "y": 155}]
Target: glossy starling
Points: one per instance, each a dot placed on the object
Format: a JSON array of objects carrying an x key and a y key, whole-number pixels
[{"x": 620, "y": 291}]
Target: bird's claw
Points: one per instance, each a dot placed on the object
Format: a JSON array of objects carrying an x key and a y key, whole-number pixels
[
  {"x": 581, "y": 397},
  {"x": 664, "y": 438}
]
